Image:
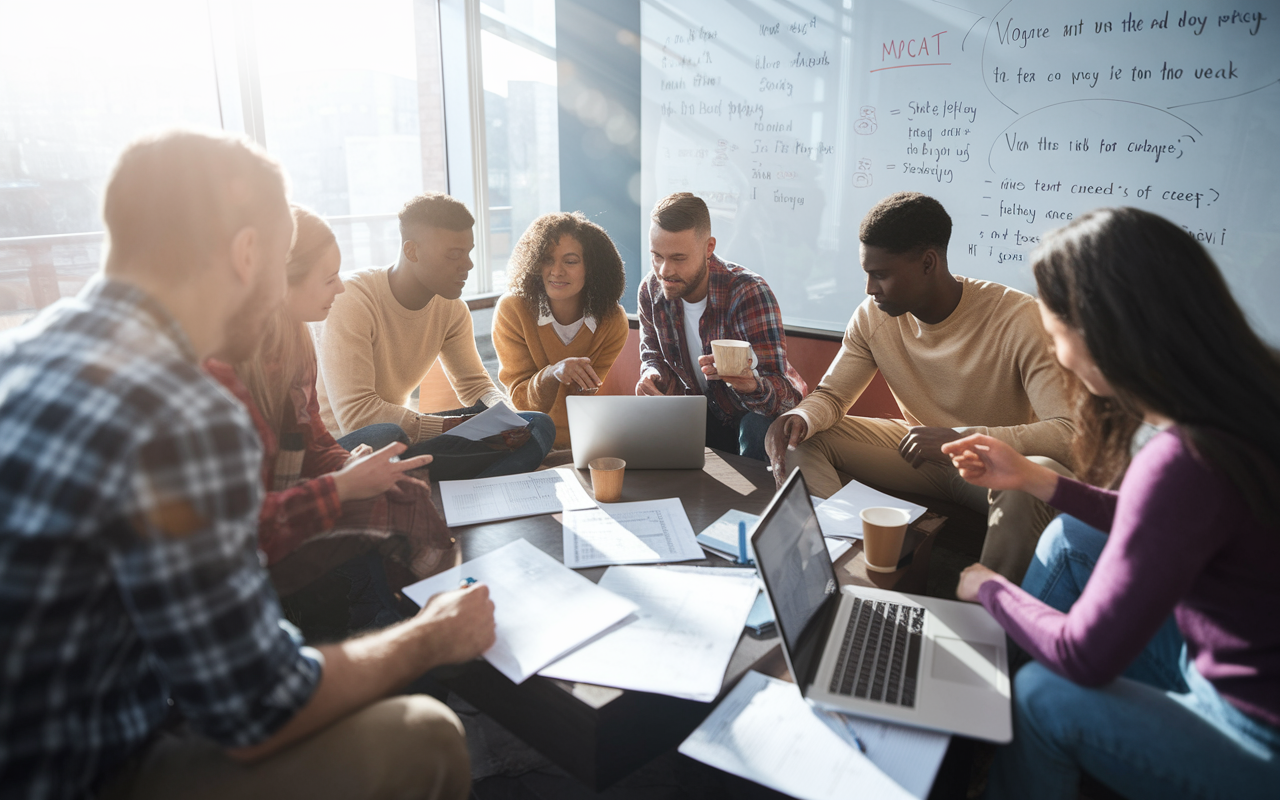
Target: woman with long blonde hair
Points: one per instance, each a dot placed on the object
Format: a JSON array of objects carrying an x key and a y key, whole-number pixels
[{"x": 308, "y": 474}]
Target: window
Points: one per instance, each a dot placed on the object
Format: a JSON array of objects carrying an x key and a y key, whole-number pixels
[
  {"x": 349, "y": 97},
  {"x": 70, "y": 99},
  {"x": 522, "y": 147},
  {"x": 351, "y": 106}
]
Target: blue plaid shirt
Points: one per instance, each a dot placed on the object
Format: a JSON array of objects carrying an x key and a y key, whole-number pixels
[{"x": 130, "y": 483}]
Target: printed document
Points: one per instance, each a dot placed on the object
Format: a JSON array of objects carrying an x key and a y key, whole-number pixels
[
  {"x": 766, "y": 732},
  {"x": 645, "y": 532},
  {"x": 542, "y": 609},
  {"x": 838, "y": 514},
  {"x": 508, "y": 496},
  {"x": 687, "y": 628},
  {"x": 489, "y": 422}
]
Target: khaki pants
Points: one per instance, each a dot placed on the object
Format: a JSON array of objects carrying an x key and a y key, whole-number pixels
[
  {"x": 866, "y": 450},
  {"x": 404, "y": 747}
]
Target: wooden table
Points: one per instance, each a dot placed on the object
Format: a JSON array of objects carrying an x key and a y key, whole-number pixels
[{"x": 600, "y": 734}]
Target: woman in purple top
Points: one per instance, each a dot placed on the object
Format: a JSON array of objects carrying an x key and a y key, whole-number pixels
[{"x": 1138, "y": 311}]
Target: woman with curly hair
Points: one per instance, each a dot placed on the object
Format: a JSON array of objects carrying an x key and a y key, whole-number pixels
[{"x": 560, "y": 327}]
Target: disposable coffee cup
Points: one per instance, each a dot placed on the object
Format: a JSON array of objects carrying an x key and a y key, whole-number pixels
[
  {"x": 732, "y": 357},
  {"x": 882, "y": 532},
  {"x": 606, "y": 479}
]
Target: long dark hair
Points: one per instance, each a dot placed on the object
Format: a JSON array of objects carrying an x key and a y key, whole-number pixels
[
  {"x": 605, "y": 276},
  {"x": 1163, "y": 328}
]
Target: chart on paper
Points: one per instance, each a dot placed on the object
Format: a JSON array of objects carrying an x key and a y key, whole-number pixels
[
  {"x": 647, "y": 532},
  {"x": 489, "y": 499}
]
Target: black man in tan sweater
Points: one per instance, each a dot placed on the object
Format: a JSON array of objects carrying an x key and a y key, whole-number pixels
[{"x": 961, "y": 356}]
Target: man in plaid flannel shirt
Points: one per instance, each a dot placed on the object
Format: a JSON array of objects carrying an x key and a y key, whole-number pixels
[
  {"x": 140, "y": 638},
  {"x": 693, "y": 297}
]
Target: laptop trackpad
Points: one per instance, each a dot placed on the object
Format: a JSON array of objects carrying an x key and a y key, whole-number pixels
[{"x": 968, "y": 663}]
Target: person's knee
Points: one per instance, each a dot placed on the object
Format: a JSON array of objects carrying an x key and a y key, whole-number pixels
[
  {"x": 541, "y": 426},
  {"x": 430, "y": 746},
  {"x": 809, "y": 452},
  {"x": 1043, "y": 702},
  {"x": 1053, "y": 541},
  {"x": 1066, "y": 534},
  {"x": 377, "y": 436}
]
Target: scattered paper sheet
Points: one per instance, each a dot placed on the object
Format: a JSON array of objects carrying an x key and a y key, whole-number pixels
[
  {"x": 721, "y": 536},
  {"x": 688, "y": 626},
  {"x": 645, "y": 532},
  {"x": 508, "y": 496},
  {"x": 542, "y": 609},
  {"x": 766, "y": 732},
  {"x": 493, "y": 420},
  {"x": 910, "y": 756},
  {"x": 838, "y": 514}
]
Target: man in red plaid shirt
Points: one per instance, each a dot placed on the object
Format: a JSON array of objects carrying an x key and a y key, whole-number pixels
[{"x": 693, "y": 297}]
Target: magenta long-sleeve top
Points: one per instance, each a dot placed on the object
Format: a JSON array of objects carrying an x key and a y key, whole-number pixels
[{"x": 1181, "y": 539}]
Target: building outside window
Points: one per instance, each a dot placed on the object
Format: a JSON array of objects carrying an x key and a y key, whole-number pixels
[
  {"x": 78, "y": 81},
  {"x": 349, "y": 97}
]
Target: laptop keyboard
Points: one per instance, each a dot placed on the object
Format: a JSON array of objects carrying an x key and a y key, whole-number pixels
[{"x": 880, "y": 654}]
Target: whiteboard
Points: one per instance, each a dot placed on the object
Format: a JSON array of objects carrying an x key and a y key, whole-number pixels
[{"x": 792, "y": 119}]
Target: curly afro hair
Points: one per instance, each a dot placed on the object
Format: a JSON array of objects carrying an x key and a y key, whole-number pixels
[
  {"x": 605, "y": 277},
  {"x": 906, "y": 221}
]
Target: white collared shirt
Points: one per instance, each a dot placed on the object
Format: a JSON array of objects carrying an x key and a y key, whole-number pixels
[{"x": 567, "y": 333}]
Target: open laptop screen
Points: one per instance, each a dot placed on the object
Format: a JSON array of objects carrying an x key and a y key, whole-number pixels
[{"x": 793, "y": 560}]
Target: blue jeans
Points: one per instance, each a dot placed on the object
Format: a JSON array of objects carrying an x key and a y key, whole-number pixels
[
  {"x": 377, "y": 436},
  {"x": 1160, "y": 731},
  {"x": 744, "y": 435},
  {"x": 1065, "y": 557},
  {"x": 526, "y": 458}
]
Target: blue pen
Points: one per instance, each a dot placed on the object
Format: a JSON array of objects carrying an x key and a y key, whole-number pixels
[
  {"x": 742, "y": 543},
  {"x": 856, "y": 738},
  {"x": 469, "y": 581}
]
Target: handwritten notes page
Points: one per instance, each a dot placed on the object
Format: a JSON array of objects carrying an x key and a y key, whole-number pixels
[
  {"x": 645, "y": 532},
  {"x": 687, "y": 627},
  {"x": 480, "y": 500},
  {"x": 766, "y": 732},
  {"x": 542, "y": 609}
]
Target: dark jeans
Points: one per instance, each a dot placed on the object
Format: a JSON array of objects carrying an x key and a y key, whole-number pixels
[
  {"x": 377, "y": 436},
  {"x": 526, "y": 458},
  {"x": 744, "y": 435}
]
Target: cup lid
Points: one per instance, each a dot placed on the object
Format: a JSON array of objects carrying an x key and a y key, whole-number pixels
[{"x": 885, "y": 517}]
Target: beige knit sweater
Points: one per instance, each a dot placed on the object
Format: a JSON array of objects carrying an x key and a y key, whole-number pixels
[
  {"x": 373, "y": 352},
  {"x": 987, "y": 368}
]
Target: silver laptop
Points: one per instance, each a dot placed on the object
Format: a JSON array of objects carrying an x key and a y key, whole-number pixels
[
  {"x": 646, "y": 432},
  {"x": 898, "y": 657}
]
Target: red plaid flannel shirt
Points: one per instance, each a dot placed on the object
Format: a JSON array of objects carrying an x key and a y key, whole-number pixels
[
  {"x": 293, "y": 516},
  {"x": 740, "y": 306}
]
